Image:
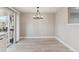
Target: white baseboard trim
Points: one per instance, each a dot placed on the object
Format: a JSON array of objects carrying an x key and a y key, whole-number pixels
[
  {"x": 41, "y": 37},
  {"x": 68, "y": 46}
]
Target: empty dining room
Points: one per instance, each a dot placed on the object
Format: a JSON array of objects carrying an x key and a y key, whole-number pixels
[{"x": 39, "y": 29}]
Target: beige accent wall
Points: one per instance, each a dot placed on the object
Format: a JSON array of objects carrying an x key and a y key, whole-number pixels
[
  {"x": 67, "y": 33},
  {"x": 30, "y": 27}
]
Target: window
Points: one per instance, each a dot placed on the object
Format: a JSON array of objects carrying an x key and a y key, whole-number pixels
[{"x": 73, "y": 13}]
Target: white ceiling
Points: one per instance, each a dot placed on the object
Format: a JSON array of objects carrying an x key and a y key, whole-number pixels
[{"x": 42, "y": 9}]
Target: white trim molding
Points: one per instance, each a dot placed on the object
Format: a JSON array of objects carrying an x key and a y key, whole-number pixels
[
  {"x": 65, "y": 44},
  {"x": 14, "y": 10},
  {"x": 40, "y": 37}
]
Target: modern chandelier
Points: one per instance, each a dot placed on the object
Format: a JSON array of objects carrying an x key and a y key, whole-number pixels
[{"x": 37, "y": 14}]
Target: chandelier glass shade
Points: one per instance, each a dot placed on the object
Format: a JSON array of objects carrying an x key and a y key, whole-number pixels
[{"x": 37, "y": 14}]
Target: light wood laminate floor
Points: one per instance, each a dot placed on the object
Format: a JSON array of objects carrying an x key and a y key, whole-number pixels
[{"x": 38, "y": 45}]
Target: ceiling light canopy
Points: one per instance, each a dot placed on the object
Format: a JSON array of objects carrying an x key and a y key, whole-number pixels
[{"x": 37, "y": 14}]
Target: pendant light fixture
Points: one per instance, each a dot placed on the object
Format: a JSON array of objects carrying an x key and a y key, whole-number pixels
[{"x": 37, "y": 14}]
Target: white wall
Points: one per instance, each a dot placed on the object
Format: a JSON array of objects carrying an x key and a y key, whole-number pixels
[
  {"x": 67, "y": 33},
  {"x": 17, "y": 24},
  {"x": 36, "y": 28}
]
